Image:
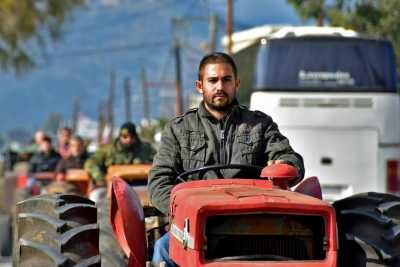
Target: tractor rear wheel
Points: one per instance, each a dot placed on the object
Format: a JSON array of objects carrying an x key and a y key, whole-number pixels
[
  {"x": 56, "y": 230},
  {"x": 111, "y": 253},
  {"x": 61, "y": 187},
  {"x": 369, "y": 230},
  {"x": 5, "y": 234}
]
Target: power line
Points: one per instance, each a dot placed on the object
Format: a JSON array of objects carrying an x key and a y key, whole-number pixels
[
  {"x": 117, "y": 19},
  {"x": 106, "y": 50}
]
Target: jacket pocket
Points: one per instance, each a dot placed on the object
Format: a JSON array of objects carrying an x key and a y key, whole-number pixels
[
  {"x": 250, "y": 147},
  {"x": 193, "y": 146}
]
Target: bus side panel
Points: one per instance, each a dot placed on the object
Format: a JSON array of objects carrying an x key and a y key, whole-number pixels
[{"x": 344, "y": 160}]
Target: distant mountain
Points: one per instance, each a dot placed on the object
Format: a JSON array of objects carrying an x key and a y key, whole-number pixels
[{"x": 123, "y": 36}]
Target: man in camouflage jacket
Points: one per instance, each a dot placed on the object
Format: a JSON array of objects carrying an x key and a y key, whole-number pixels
[{"x": 126, "y": 149}]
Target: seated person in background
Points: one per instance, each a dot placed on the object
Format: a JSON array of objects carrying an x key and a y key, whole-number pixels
[
  {"x": 38, "y": 137},
  {"x": 75, "y": 160},
  {"x": 34, "y": 144},
  {"x": 64, "y": 136},
  {"x": 126, "y": 149},
  {"x": 46, "y": 159}
]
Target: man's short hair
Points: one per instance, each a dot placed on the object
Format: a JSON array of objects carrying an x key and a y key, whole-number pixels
[
  {"x": 213, "y": 58},
  {"x": 128, "y": 128},
  {"x": 66, "y": 129},
  {"x": 47, "y": 139},
  {"x": 77, "y": 138}
]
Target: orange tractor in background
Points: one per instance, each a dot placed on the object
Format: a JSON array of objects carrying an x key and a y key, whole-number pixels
[{"x": 79, "y": 180}]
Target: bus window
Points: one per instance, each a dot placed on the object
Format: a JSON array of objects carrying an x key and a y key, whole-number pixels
[{"x": 326, "y": 64}]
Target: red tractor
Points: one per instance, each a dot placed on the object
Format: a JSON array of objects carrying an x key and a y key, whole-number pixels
[
  {"x": 260, "y": 222},
  {"x": 221, "y": 222}
]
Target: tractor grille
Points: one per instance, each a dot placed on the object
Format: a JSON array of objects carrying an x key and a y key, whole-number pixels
[
  {"x": 233, "y": 246},
  {"x": 265, "y": 237}
]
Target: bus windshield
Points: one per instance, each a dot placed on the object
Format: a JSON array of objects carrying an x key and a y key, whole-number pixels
[{"x": 334, "y": 64}]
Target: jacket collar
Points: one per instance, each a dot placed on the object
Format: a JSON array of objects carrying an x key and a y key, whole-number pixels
[{"x": 203, "y": 112}]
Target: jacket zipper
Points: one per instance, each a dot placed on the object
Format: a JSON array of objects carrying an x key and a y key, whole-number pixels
[{"x": 222, "y": 143}]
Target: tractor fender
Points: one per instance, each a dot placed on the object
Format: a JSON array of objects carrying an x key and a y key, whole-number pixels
[
  {"x": 310, "y": 186},
  {"x": 127, "y": 221}
]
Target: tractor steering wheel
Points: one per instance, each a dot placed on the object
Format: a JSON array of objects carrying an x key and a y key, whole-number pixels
[{"x": 253, "y": 170}]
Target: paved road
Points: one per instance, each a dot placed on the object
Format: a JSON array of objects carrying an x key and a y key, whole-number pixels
[{"x": 5, "y": 262}]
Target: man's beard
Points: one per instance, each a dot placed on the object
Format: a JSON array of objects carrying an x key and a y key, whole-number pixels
[
  {"x": 127, "y": 147},
  {"x": 218, "y": 106}
]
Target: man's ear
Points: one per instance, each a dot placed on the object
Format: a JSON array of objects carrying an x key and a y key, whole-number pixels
[
  {"x": 199, "y": 86},
  {"x": 237, "y": 83}
]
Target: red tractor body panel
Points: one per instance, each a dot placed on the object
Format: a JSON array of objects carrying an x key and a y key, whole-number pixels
[
  {"x": 193, "y": 202},
  {"x": 127, "y": 220}
]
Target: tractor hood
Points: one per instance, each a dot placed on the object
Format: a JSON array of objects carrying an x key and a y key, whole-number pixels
[
  {"x": 225, "y": 194},
  {"x": 193, "y": 202}
]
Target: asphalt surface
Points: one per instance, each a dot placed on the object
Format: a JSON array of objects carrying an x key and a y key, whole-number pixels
[{"x": 5, "y": 262}]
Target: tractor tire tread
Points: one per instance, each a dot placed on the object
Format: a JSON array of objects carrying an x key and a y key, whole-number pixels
[
  {"x": 56, "y": 230},
  {"x": 112, "y": 254},
  {"x": 369, "y": 229}
]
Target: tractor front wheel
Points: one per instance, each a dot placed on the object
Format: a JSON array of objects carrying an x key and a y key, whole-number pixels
[{"x": 369, "y": 230}]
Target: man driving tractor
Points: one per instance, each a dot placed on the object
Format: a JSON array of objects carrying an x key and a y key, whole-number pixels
[
  {"x": 219, "y": 132},
  {"x": 126, "y": 149}
]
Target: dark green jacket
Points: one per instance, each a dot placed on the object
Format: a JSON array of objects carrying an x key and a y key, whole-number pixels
[
  {"x": 113, "y": 154},
  {"x": 197, "y": 139}
]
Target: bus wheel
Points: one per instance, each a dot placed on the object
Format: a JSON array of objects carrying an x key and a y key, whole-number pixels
[
  {"x": 56, "y": 230},
  {"x": 369, "y": 230}
]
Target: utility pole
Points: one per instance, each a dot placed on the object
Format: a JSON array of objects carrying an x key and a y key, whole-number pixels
[
  {"x": 213, "y": 33},
  {"x": 110, "y": 106},
  {"x": 127, "y": 91},
  {"x": 146, "y": 86},
  {"x": 101, "y": 121},
  {"x": 145, "y": 95},
  {"x": 75, "y": 114},
  {"x": 229, "y": 25},
  {"x": 178, "y": 77}
]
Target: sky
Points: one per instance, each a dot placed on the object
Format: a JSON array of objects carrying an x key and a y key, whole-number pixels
[{"x": 123, "y": 36}]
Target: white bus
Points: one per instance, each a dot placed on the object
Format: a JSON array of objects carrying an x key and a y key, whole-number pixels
[{"x": 334, "y": 95}]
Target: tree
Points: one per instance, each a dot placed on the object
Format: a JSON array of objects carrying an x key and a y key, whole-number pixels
[
  {"x": 148, "y": 130},
  {"x": 311, "y": 9},
  {"x": 377, "y": 18},
  {"x": 24, "y": 21}
]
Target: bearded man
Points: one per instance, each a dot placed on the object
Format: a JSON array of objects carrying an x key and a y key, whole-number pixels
[{"x": 219, "y": 132}]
